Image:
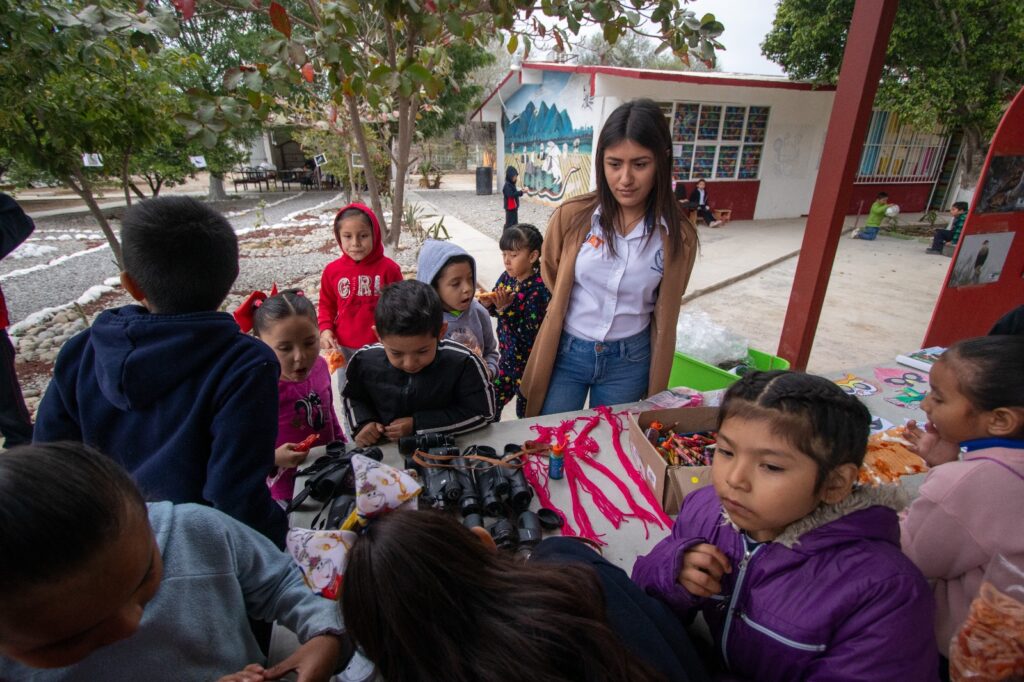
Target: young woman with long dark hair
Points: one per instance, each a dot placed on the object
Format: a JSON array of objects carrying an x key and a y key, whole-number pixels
[
  {"x": 617, "y": 261},
  {"x": 426, "y": 599}
]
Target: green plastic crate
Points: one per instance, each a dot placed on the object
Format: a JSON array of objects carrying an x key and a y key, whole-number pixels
[{"x": 687, "y": 371}]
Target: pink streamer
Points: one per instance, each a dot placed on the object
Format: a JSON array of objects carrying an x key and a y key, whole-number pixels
[
  {"x": 578, "y": 511},
  {"x": 581, "y": 449},
  {"x": 638, "y": 512},
  {"x": 616, "y": 426},
  {"x": 532, "y": 470}
]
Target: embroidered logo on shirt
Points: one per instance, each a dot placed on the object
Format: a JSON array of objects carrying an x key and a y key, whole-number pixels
[
  {"x": 659, "y": 262},
  {"x": 594, "y": 240}
]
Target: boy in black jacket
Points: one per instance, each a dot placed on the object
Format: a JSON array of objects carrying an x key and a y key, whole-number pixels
[{"x": 414, "y": 380}]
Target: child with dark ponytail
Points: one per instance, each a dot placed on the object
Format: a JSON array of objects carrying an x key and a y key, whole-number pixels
[
  {"x": 963, "y": 516},
  {"x": 287, "y": 323},
  {"x": 797, "y": 569},
  {"x": 519, "y": 300}
]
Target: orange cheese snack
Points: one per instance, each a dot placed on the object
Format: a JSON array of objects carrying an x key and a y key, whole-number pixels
[
  {"x": 887, "y": 459},
  {"x": 990, "y": 645},
  {"x": 335, "y": 361}
]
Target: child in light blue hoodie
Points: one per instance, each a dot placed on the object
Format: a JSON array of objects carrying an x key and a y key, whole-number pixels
[
  {"x": 452, "y": 273},
  {"x": 98, "y": 585}
]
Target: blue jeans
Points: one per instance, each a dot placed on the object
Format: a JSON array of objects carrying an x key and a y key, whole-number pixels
[
  {"x": 868, "y": 233},
  {"x": 612, "y": 372}
]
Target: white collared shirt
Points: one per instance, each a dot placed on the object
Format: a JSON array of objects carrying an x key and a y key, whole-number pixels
[{"x": 613, "y": 296}]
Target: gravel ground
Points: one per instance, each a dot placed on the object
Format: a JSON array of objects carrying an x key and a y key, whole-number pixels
[
  {"x": 54, "y": 286},
  {"x": 484, "y": 212}
]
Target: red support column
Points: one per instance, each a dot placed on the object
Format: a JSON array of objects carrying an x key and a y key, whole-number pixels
[{"x": 855, "y": 93}]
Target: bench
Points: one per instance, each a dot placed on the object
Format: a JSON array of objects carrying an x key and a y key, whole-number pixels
[
  {"x": 254, "y": 176},
  {"x": 723, "y": 214}
]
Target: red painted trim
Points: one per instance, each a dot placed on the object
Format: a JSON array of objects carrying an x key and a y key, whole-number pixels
[
  {"x": 678, "y": 77},
  {"x": 666, "y": 76},
  {"x": 493, "y": 93}
]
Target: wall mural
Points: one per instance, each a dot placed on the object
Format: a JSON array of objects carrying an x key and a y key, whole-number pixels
[{"x": 549, "y": 130}]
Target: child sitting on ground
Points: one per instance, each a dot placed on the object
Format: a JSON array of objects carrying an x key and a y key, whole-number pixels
[
  {"x": 351, "y": 285},
  {"x": 287, "y": 323},
  {"x": 797, "y": 570},
  {"x": 414, "y": 380},
  {"x": 940, "y": 236},
  {"x": 519, "y": 301},
  {"x": 873, "y": 223},
  {"x": 963, "y": 516},
  {"x": 99, "y": 585},
  {"x": 172, "y": 389},
  {"x": 452, "y": 273}
]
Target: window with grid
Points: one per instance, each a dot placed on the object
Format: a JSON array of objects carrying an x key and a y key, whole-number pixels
[
  {"x": 895, "y": 152},
  {"x": 717, "y": 141}
]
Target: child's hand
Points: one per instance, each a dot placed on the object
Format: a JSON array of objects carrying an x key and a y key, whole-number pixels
[
  {"x": 328, "y": 341},
  {"x": 369, "y": 434},
  {"x": 398, "y": 428},
  {"x": 314, "y": 661},
  {"x": 703, "y": 568},
  {"x": 929, "y": 445},
  {"x": 252, "y": 673},
  {"x": 287, "y": 457},
  {"x": 502, "y": 298}
]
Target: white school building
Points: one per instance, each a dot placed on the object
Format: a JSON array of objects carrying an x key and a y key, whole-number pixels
[{"x": 757, "y": 140}]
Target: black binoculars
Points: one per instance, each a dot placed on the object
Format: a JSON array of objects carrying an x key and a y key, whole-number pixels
[
  {"x": 450, "y": 487},
  {"x": 499, "y": 484},
  {"x": 526, "y": 533},
  {"x": 425, "y": 442},
  {"x": 331, "y": 476}
]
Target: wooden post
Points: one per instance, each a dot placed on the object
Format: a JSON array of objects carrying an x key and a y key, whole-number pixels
[{"x": 844, "y": 142}]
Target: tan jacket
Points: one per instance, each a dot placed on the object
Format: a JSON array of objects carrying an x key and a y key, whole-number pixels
[{"x": 566, "y": 231}]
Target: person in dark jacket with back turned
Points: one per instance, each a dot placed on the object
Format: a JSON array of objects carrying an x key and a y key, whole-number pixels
[
  {"x": 511, "y": 197},
  {"x": 172, "y": 389},
  {"x": 15, "y": 423},
  {"x": 414, "y": 380}
]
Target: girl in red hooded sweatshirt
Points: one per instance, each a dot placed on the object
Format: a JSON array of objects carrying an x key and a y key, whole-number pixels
[{"x": 351, "y": 285}]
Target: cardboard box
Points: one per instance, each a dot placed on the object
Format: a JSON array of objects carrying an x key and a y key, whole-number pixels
[{"x": 670, "y": 483}]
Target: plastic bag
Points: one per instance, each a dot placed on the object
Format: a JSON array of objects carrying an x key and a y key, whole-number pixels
[
  {"x": 672, "y": 398},
  {"x": 698, "y": 336},
  {"x": 990, "y": 644}
]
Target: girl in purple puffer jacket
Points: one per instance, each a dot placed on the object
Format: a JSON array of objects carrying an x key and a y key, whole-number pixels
[{"x": 797, "y": 569}]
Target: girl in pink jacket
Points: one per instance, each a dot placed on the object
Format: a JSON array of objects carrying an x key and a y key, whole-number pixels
[{"x": 964, "y": 515}]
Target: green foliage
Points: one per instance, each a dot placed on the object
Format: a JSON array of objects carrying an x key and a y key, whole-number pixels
[
  {"x": 413, "y": 218},
  {"x": 953, "y": 63},
  {"x": 391, "y": 65},
  {"x": 77, "y": 79},
  {"x": 631, "y": 50},
  {"x": 459, "y": 96},
  {"x": 438, "y": 230}
]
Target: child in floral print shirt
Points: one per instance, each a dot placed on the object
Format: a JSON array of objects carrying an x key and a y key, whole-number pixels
[{"x": 519, "y": 301}]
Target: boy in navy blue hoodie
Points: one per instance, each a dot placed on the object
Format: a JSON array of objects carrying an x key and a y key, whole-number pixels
[{"x": 186, "y": 401}]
